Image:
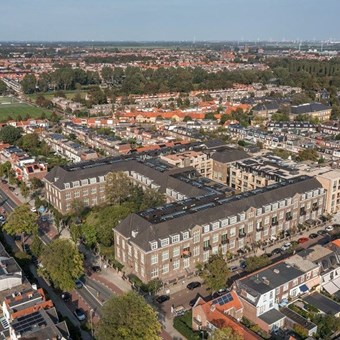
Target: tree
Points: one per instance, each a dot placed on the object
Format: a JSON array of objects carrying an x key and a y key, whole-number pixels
[
  {"x": 308, "y": 155},
  {"x": 226, "y": 333},
  {"x": 62, "y": 263},
  {"x": 117, "y": 187},
  {"x": 24, "y": 189},
  {"x": 215, "y": 273},
  {"x": 128, "y": 317},
  {"x": 29, "y": 83},
  {"x": 5, "y": 169},
  {"x": 36, "y": 183},
  {"x": 3, "y": 87},
  {"x": 10, "y": 134},
  {"x": 256, "y": 262},
  {"x": 22, "y": 220},
  {"x": 37, "y": 246}
]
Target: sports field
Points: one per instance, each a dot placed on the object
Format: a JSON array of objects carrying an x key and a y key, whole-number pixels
[{"x": 12, "y": 107}]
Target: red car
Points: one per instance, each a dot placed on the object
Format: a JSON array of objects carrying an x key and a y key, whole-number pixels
[{"x": 303, "y": 239}]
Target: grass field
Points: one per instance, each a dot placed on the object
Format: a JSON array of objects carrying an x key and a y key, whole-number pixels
[
  {"x": 12, "y": 107},
  {"x": 50, "y": 95}
]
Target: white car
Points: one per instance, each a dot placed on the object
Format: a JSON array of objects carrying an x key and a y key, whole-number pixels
[
  {"x": 273, "y": 238},
  {"x": 286, "y": 246},
  {"x": 33, "y": 209},
  {"x": 329, "y": 228}
]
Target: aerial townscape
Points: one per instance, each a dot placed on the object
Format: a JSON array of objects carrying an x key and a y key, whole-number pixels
[{"x": 156, "y": 186}]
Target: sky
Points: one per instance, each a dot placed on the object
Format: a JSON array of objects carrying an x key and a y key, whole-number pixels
[{"x": 169, "y": 20}]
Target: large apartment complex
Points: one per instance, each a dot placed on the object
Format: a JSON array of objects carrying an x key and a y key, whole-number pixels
[
  {"x": 331, "y": 182},
  {"x": 167, "y": 242}
]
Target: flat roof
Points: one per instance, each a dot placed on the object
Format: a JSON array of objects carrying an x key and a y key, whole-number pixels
[
  {"x": 272, "y": 316},
  {"x": 323, "y": 303}
]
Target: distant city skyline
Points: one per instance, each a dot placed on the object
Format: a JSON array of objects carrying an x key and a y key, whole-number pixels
[{"x": 175, "y": 20}]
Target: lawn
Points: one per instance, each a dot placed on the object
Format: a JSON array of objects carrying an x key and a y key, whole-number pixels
[
  {"x": 183, "y": 325},
  {"x": 50, "y": 95},
  {"x": 12, "y": 107}
]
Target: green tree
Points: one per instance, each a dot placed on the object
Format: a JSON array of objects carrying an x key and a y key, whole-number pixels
[
  {"x": 24, "y": 190},
  {"x": 3, "y": 87},
  {"x": 36, "y": 183},
  {"x": 37, "y": 246},
  {"x": 62, "y": 263},
  {"x": 5, "y": 169},
  {"x": 29, "y": 83},
  {"x": 256, "y": 262},
  {"x": 128, "y": 317},
  {"x": 117, "y": 187},
  {"x": 226, "y": 333},
  {"x": 22, "y": 221},
  {"x": 10, "y": 134},
  {"x": 308, "y": 155},
  {"x": 215, "y": 273}
]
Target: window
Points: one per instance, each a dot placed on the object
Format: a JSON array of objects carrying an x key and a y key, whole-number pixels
[
  {"x": 175, "y": 238},
  {"x": 224, "y": 222},
  {"x": 206, "y": 228},
  {"x": 164, "y": 242},
  {"x": 250, "y": 227},
  {"x": 165, "y": 255},
  {"x": 224, "y": 249},
  {"x": 135, "y": 253},
  {"x": 233, "y": 219},
  {"x": 154, "y": 273},
  {"x": 186, "y": 263},
  {"x": 68, "y": 196},
  {"x": 76, "y": 194},
  {"x": 84, "y": 181},
  {"x": 215, "y": 250},
  {"x": 215, "y": 238},
  {"x": 85, "y": 192},
  {"x": 93, "y": 191},
  {"x": 75, "y": 184},
  {"x": 196, "y": 237},
  {"x": 232, "y": 244},
  {"x": 185, "y": 235},
  {"x": 232, "y": 232},
  {"x": 67, "y": 185},
  {"x": 136, "y": 267},
  {"x": 285, "y": 287},
  {"x": 154, "y": 245},
  {"x": 176, "y": 264},
  {"x": 215, "y": 225},
  {"x": 266, "y": 220},
  {"x": 93, "y": 180},
  {"x": 142, "y": 271},
  {"x": 165, "y": 268},
  {"x": 142, "y": 258},
  {"x": 196, "y": 251},
  {"x": 295, "y": 282},
  {"x": 175, "y": 251},
  {"x": 205, "y": 256},
  {"x": 154, "y": 258}
]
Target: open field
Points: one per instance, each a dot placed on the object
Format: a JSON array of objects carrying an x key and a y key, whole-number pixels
[
  {"x": 12, "y": 107},
  {"x": 50, "y": 95}
]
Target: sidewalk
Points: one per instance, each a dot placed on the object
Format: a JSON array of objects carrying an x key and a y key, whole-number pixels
[{"x": 113, "y": 280}]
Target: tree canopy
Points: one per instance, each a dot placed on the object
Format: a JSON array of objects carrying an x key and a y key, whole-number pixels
[
  {"x": 226, "y": 333},
  {"x": 128, "y": 317},
  {"x": 3, "y": 87},
  {"x": 256, "y": 262},
  {"x": 21, "y": 220},
  {"x": 10, "y": 134},
  {"x": 215, "y": 273},
  {"x": 117, "y": 188},
  {"x": 62, "y": 263}
]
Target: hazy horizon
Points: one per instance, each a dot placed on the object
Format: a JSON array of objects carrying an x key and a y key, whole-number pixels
[{"x": 166, "y": 21}]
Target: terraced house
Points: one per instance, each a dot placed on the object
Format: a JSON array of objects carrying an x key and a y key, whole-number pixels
[{"x": 167, "y": 242}]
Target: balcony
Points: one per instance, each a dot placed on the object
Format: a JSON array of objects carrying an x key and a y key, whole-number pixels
[
  {"x": 259, "y": 228},
  {"x": 225, "y": 241},
  {"x": 207, "y": 247},
  {"x": 289, "y": 218},
  {"x": 275, "y": 223},
  {"x": 315, "y": 208},
  {"x": 242, "y": 235},
  {"x": 303, "y": 212}
]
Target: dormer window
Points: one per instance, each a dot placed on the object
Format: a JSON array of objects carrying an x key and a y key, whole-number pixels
[
  {"x": 67, "y": 185},
  {"x": 75, "y": 184},
  {"x": 175, "y": 238},
  {"x": 185, "y": 235},
  {"x": 165, "y": 242},
  {"x": 154, "y": 245}
]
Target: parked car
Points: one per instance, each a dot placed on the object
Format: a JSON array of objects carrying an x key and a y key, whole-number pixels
[
  {"x": 193, "y": 301},
  {"x": 79, "y": 284},
  {"x": 303, "y": 240},
  {"x": 162, "y": 298},
  {"x": 233, "y": 268},
  {"x": 34, "y": 209},
  {"x": 79, "y": 314},
  {"x": 96, "y": 269},
  {"x": 286, "y": 246},
  {"x": 3, "y": 181},
  {"x": 66, "y": 296},
  {"x": 193, "y": 285},
  {"x": 276, "y": 251},
  {"x": 329, "y": 228},
  {"x": 273, "y": 238},
  {"x": 27, "y": 248},
  {"x": 321, "y": 232},
  {"x": 313, "y": 235},
  {"x": 243, "y": 264},
  {"x": 11, "y": 188}
]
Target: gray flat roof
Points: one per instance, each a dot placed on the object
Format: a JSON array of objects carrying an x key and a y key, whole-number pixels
[
  {"x": 323, "y": 303},
  {"x": 272, "y": 316}
]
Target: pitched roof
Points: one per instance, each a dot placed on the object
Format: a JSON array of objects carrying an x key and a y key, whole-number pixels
[
  {"x": 229, "y": 155},
  {"x": 309, "y": 107}
]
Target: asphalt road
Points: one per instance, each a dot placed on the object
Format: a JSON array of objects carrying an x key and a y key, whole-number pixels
[{"x": 6, "y": 202}]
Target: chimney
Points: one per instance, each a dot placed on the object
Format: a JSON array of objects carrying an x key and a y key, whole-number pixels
[
  {"x": 265, "y": 280},
  {"x": 276, "y": 271},
  {"x": 212, "y": 307},
  {"x": 134, "y": 233},
  {"x": 34, "y": 286}
]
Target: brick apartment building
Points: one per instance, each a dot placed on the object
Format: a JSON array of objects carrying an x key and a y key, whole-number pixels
[{"x": 167, "y": 242}]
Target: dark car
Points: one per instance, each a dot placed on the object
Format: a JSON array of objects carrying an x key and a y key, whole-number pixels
[
  {"x": 193, "y": 301},
  {"x": 193, "y": 285},
  {"x": 11, "y": 188},
  {"x": 321, "y": 232},
  {"x": 79, "y": 284},
  {"x": 27, "y": 248},
  {"x": 276, "y": 251},
  {"x": 66, "y": 296},
  {"x": 162, "y": 298},
  {"x": 96, "y": 269},
  {"x": 3, "y": 181},
  {"x": 79, "y": 314},
  {"x": 243, "y": 264},
  {"x": 313, "y": 235}
]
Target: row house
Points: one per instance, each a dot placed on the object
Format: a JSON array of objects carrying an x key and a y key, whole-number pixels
[
  {"x": 167, "y": 242},
  {"x": 331, "y": 183},
  {"x": 266, "y": 291},
  {"x": 330, "y": 128},
  {"x": 68, "y": 149},
  {"x": 298, "y": 127}
]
